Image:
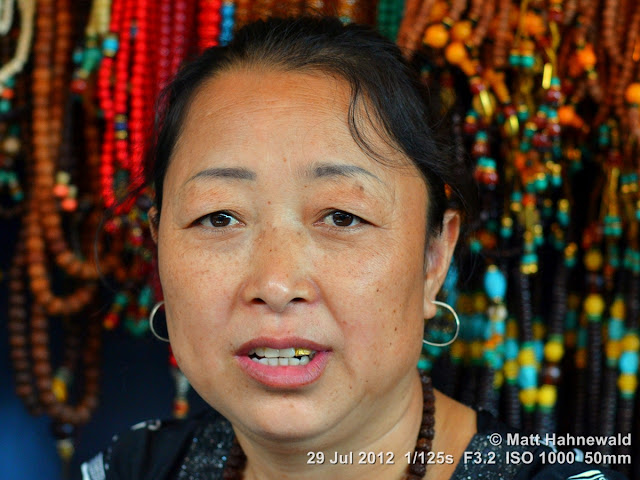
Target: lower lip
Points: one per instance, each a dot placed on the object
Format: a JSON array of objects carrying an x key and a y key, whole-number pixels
[{"x": 285, "y": 376}]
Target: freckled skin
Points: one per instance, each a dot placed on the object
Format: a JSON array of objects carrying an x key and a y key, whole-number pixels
[{"x": 284, "y": 269}]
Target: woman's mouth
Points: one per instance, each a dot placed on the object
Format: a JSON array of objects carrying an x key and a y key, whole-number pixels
[
  {"x": 283, "y": 363},
  {"x": 281, "y": 356}
]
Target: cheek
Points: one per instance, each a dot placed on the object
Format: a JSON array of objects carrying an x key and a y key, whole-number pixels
[
  {"x": 377, "y": 298},
  {"x": 197, "y": 292}
]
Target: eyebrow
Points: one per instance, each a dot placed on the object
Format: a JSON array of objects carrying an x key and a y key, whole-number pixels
[
  {"x": 322, "y": 170},
  {"x": 233, "y": 173}
]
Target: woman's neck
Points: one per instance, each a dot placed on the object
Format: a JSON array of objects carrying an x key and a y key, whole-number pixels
[{"x": 372, "y": 443}]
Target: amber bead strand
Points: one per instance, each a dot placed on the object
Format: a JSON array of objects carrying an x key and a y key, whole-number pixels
[
  {"x": 294, "y": 8},
  {"x": 410, "y": 11},
  {"x": 413, "y": 24},
  {"x": 43, "y": 207},
  {"x": 480, "y": 31},
  {"x": 628, "y": 68},
  {"x": 46, "y": 138},
  {"x": 314, "y": 7},
  {"x": 58, "y": 410},
  {"x": 236, "y": 460},
  {"x": 609, "y": 31},
  {"x": 243, "y": 13},
  {"x": 18, "y": 323},
  {"x": 570, "y": 9},
  {"x": 502, "y": 35}
]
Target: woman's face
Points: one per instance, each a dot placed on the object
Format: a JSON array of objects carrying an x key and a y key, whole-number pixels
[{"x": 278, "y": 233}]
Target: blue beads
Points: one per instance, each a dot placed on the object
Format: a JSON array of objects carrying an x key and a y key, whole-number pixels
[
  {"x": 110, "y": 45},
  {"x": 527, "y": 376},
  {"x": 629, "y": 362},
  {"x": 616, "y": 329},
  {"x": 226, "y": 25},
  {"x": 495, "y": 283},
  {"x": 511, "y": 348}
]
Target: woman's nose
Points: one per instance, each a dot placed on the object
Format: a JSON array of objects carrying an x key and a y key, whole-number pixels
[{"x": 280, "y": 270}]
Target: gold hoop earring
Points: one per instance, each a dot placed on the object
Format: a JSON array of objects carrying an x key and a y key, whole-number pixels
[
  {"x": 152, "y": 315},
  {"x": 455, "y": 315}
]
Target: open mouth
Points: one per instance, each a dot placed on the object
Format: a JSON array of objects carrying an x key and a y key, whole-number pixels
[{"x": 281, "y": 356}]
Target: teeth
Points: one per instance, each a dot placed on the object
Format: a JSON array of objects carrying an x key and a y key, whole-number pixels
[
  {"x": 287, "y": 352},
  {"x": 282, "y": 361},
  {"x": 266, "y": 352},
  {"x": 271, "y": 352}
]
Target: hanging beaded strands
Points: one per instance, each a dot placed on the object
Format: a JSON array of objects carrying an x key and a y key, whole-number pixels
[
  {"x": 42, "y": 244},
  {"x": 545, "y": 98},
  {"x": 543, "y": 132},
  {"x": 15, "y": 56}
]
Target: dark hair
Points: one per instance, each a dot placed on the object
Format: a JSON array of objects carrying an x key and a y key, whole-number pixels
[{"x": 377, "y": 73}]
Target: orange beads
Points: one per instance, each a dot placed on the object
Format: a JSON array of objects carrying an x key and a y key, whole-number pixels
[
  {"x": 436, "y": 36},
  {"x": 632, "y": 94},
  {"x": 534, "y": 25},
  {"x": 461, "y": 31},
  {"x": 455, "y": 53},
  {"x": 586, "y": 58}
]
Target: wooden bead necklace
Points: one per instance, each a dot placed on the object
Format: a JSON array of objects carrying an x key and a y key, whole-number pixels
[{"x": 236, "y": 460}]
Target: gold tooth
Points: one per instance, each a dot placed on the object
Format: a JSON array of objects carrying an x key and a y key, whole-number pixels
[{"x": 302, "y": 351}]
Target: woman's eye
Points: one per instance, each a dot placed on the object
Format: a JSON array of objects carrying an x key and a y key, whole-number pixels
[
  {"x": 218, "y": 220},
  {"x": 339, "y": 218}
]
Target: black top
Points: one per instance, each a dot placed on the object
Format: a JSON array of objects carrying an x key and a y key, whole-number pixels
[{"x": 196, "y": 449}]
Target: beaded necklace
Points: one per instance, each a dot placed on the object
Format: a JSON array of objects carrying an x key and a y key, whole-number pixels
[
  {"x": 416, "y": 470},
  {"x": 41, "y": 388}
]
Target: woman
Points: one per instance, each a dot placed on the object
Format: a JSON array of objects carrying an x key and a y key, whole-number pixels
[{"x": 303, "y": 233}]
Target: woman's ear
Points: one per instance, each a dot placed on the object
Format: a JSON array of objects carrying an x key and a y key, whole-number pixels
[
  {"x": 438, "y": 258},
  {"x": 154, "y": 217}
]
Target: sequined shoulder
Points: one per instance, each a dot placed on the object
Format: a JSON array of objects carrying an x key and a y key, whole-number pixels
[
  {"x": 152, "y": 449},
  {"x": 207, "y": 453}
]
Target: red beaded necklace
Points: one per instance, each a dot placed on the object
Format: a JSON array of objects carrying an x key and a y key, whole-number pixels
[{"x": 208, "y": 23}]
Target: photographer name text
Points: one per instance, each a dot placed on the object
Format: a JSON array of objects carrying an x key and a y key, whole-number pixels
[{"x": 567, "y": 440}]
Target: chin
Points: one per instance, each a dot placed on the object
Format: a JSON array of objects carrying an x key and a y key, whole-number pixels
[{"x": 285, "y": 418}]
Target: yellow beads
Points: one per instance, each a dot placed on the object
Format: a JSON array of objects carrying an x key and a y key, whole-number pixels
[
  {"x": 547, "y": 395},
  {"x": 511, "y": 369},
  {"x": 631, "y": 342},
  {"x": 617, "y": 309},
  {"x": 627, "y": 382},
  {"x": 59, "y": 388},
  {"x": 553, "y": 351},
  {"x": 477, "y": 349},
  {"x": 613, "y": 349},
  {"x": 457, "y": 349},
  {"x": 528, "y": 396},
  {"x": 594, "y": 305},
  {"x": 593, "y": 260},
  {"x": 527, "y": 357}
]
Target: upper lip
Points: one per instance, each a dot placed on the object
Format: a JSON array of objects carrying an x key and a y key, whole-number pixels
[{"x": 284, "y": 342}]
